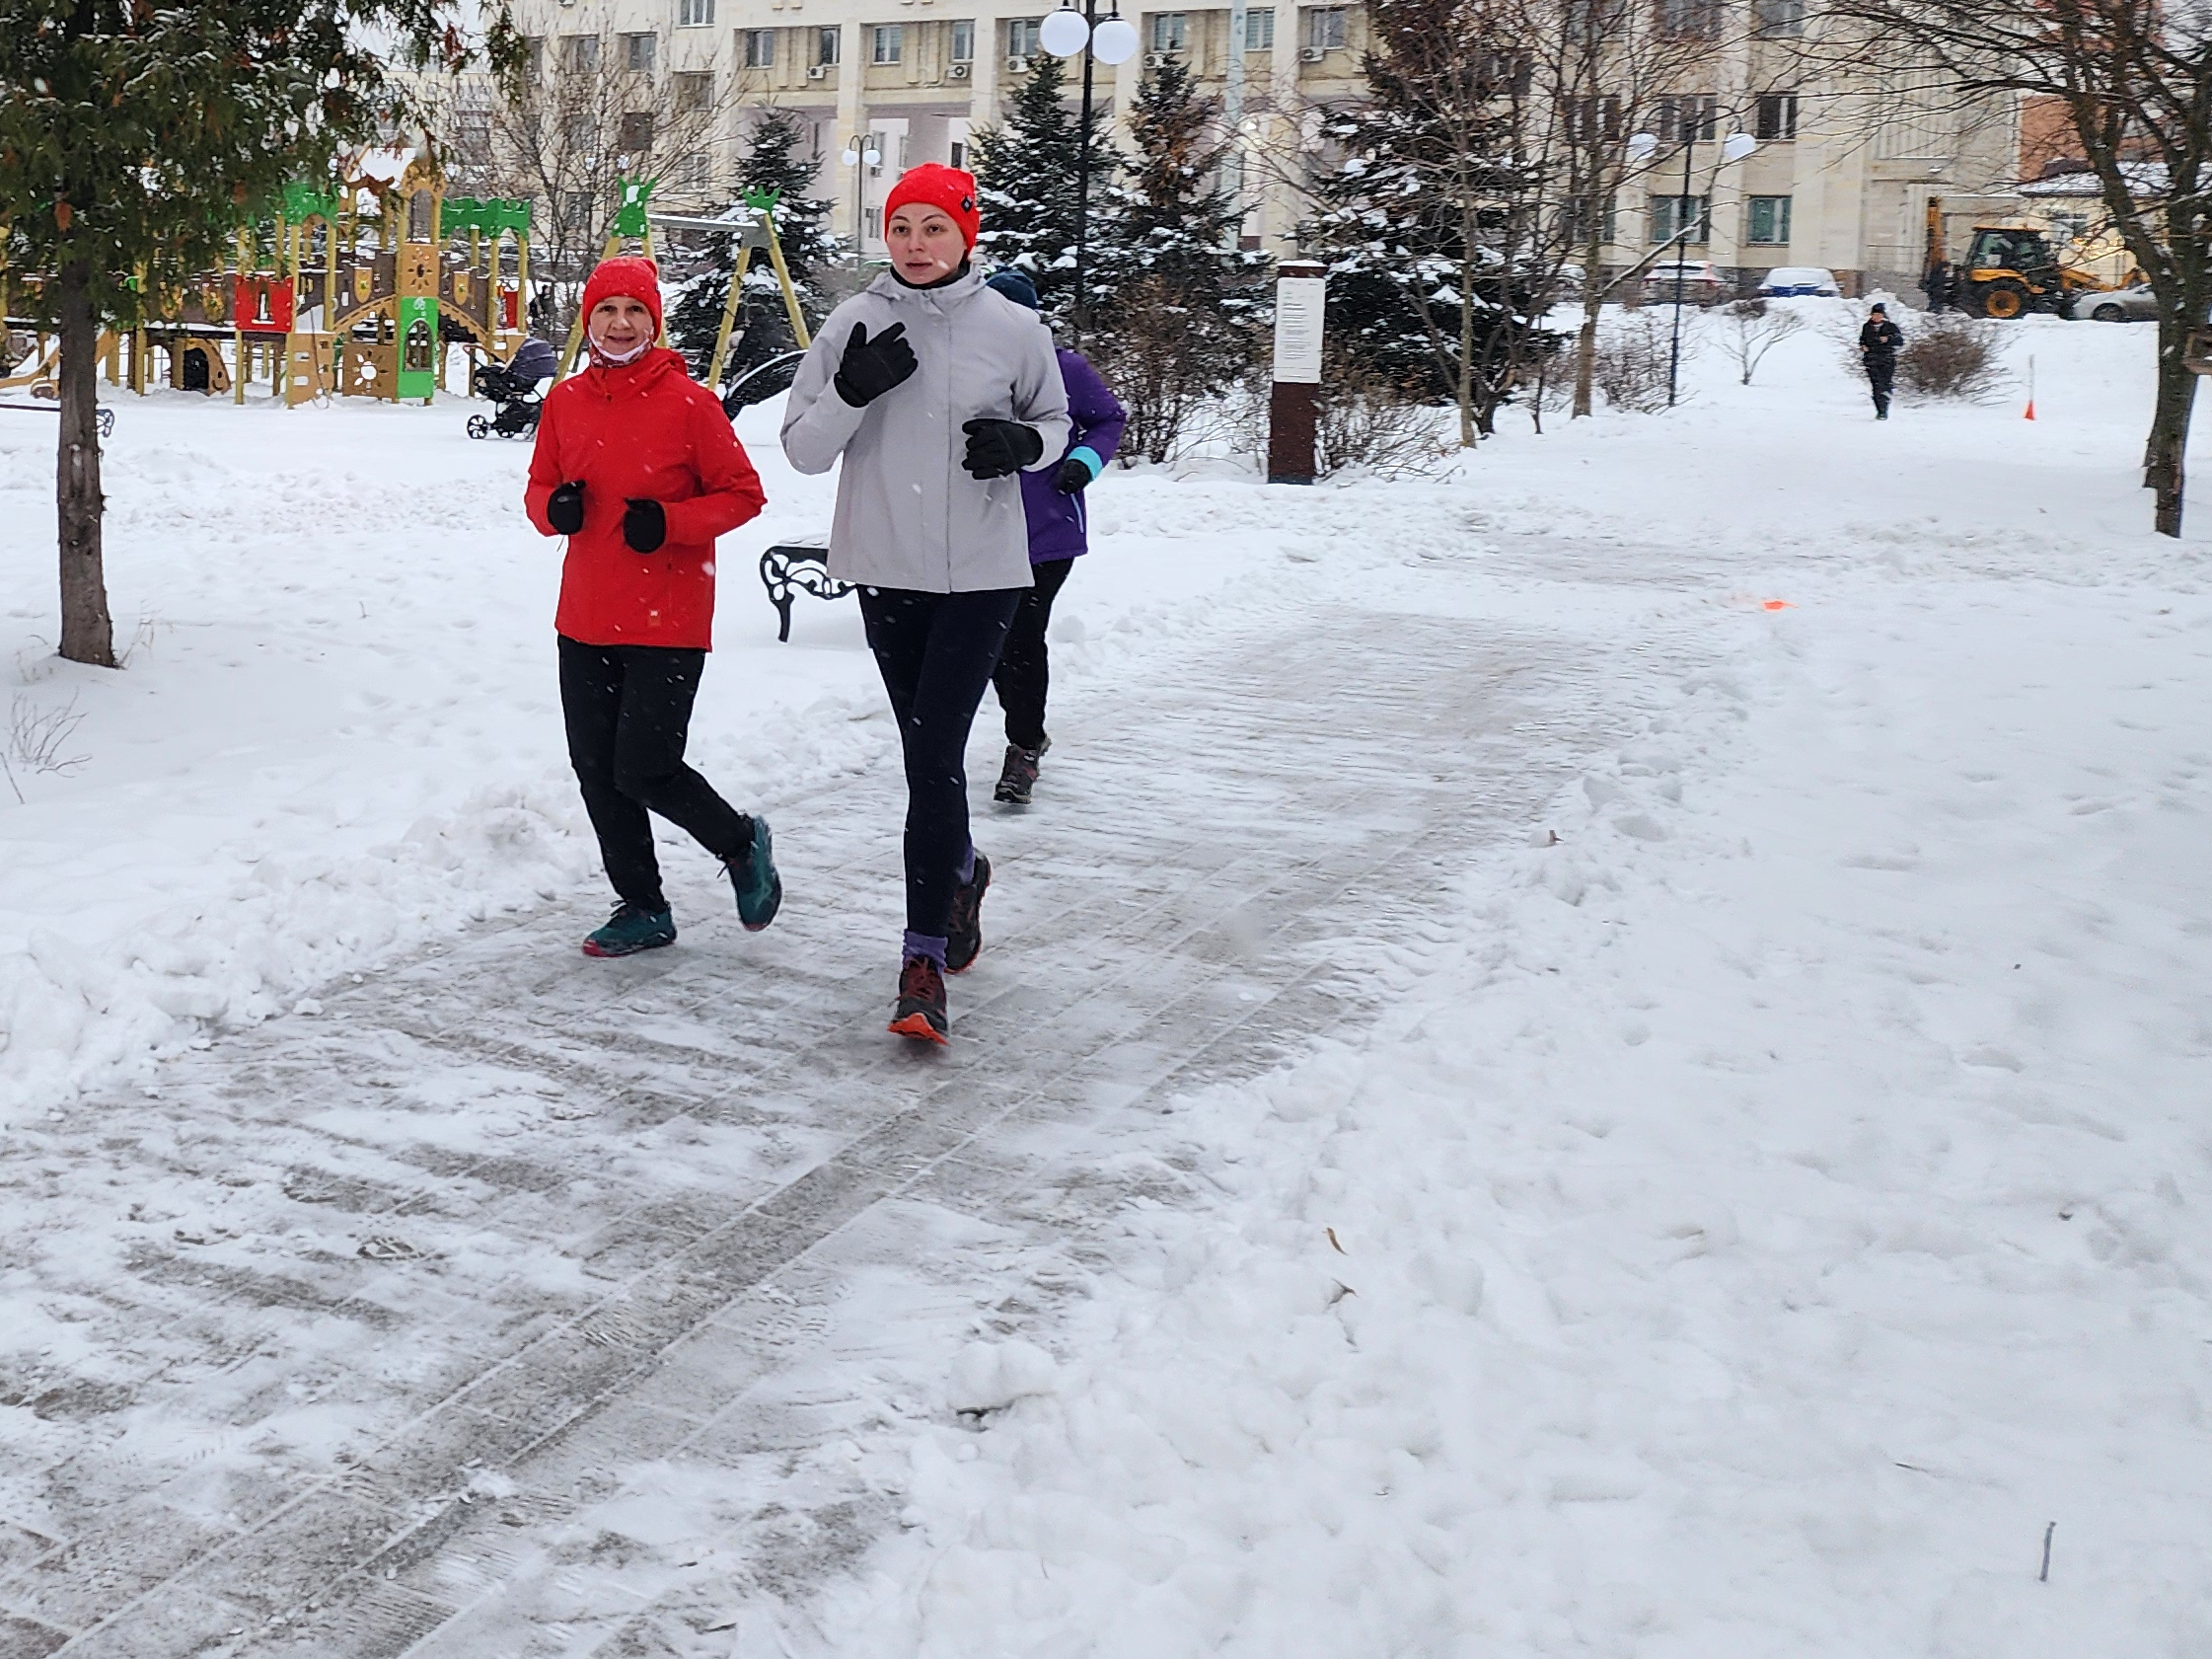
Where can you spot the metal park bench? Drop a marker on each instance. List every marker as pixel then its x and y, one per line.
pixel 793 568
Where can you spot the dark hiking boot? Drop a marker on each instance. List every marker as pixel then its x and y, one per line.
pixel 964 928
pixel 1018 776
pixel 760 890
pixel 920 1014
pixel 631 929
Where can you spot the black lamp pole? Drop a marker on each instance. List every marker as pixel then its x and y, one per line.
pixel 1681 247
pixel 1082 170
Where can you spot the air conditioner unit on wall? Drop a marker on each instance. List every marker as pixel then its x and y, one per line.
pixel 1311 55
pixel 958 72
pixel 1019 65
pixel 1158 61
pixel 817 72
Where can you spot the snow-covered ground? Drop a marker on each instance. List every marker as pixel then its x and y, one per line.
pixel 1757 1193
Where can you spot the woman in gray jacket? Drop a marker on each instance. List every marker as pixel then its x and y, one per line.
pixel 935 392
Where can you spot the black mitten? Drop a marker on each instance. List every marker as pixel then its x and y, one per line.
pixel 645 525
pixel 871 367
pixel 1073 476
pixel 564 509
pixel 996 448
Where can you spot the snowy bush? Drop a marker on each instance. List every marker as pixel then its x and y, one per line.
pixel 1950 356
pixel 1633 356
pixel 1751 329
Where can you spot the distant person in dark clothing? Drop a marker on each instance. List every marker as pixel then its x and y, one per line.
pixel 1878 341
pixel 1941 285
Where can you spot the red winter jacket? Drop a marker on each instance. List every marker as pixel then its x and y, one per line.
pixel 645 429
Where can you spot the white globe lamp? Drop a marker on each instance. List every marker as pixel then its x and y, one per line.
pixel 1113 41
pixel 1063 34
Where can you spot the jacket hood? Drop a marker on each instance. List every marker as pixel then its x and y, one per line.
pixel 964 288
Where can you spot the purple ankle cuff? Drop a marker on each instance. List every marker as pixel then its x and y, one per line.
pixel 968 866
pixel 925 944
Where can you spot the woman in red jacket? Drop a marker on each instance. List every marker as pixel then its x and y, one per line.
pixel 637 467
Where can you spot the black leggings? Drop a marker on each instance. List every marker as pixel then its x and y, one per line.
pixel 1024 674
pixel 1881 372
pixel 937 651
pixel 629 709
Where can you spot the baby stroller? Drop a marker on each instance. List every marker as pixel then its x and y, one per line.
pixel 514 386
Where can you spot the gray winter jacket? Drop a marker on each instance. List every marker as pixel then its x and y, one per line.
pixel 908 514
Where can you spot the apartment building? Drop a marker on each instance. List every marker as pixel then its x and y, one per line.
pixel 1840 178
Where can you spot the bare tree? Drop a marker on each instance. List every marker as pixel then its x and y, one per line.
pixel 576 114
pixel 1606 70
pixel 2134 78
pixel 1751 329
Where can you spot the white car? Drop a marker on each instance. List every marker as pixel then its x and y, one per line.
pixel 1785 281
pixel 2136 304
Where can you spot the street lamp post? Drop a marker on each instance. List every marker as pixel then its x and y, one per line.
pixel 1111 40
pixel 859 150
pixel 1641 146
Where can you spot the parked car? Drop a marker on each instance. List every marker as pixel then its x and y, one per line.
pixel 1785 281
pixel 2134 304
pixel 1701 283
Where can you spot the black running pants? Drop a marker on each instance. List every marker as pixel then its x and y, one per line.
pixel 1024 675
pixel 628 710
pixel 936 652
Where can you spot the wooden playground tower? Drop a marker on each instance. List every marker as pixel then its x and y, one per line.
pixel 350 291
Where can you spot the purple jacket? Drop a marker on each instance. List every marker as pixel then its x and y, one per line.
pixel 1058 524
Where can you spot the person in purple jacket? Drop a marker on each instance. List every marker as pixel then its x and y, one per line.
pixel 1059 527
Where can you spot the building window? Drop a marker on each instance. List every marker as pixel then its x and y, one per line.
pixel 636 132
pixel 959 153
pixel 886 41
pixel 1689 117
pixel 1324 29
pixel 580 132
pixel 1593 120
pixel 579 52
pixel 829 45
pixel 1691 20
pixel 1778 19
pixel 1584 214
pixel 1768 223
pixel 963 40
pixel 695 90
pixel 1777 115
pixel 760 49
pixel 1022 37
pixel 1171 31
pixel 1675 216
pixel 694 14
pixel 1259 28
pixel 534 55
pixel 638 52
pixel 694 171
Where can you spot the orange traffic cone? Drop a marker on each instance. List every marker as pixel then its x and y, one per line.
pixel 2031 415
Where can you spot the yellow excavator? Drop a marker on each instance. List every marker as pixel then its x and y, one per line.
pixel 2009 269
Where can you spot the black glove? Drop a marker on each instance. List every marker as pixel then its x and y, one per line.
pixel 999 447
pixel 871 367
pixel 1073 476
pixel 644 526
pixel 564 509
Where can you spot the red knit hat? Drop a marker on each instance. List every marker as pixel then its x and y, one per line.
pixel 947 189
pixel 632 277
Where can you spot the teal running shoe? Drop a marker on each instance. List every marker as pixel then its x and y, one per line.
pixel 631 929
pixel 760 890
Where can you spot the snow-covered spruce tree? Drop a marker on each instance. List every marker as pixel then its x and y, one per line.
pixel 774 161
pixel 1183 323
pixel 1425 214
pixel 137 139
pixel 1025 175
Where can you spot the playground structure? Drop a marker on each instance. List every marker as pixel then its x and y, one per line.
pixel 358 288
pixel 351 289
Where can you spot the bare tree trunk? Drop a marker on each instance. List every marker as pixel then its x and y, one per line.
pixel 87 634
pixel 1585 347
pixel 2169 429
pixel 1467 435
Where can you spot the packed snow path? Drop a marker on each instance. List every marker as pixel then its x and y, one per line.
pixel 406 1281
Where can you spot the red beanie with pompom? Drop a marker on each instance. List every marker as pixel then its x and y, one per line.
pixel 632 277
pixel 947 189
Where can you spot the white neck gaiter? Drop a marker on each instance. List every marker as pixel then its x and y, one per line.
pixel 631 357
